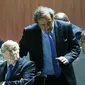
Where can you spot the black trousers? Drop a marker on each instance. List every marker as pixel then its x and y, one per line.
pixel 51 80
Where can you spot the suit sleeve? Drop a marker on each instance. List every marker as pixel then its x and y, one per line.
pixel 23 44
pixel 77 32
pixel 73 46
pixel 27 78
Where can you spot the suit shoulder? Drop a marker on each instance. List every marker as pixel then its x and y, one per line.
pixel 77 28
pixel 26 61
pixel 3 64
pixel 62 23
pixel 32 26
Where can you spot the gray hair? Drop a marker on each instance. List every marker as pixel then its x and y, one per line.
pixel 7 44
pixel 42 11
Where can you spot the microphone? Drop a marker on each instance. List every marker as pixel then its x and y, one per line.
pixel 39 73
pixel 41 78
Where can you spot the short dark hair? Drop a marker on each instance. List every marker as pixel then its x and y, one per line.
pixel 42 11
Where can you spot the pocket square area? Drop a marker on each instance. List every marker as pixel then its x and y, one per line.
pixel 18 74
pixel 65 40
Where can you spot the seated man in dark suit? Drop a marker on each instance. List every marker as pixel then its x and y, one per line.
pixel 76 29
pixel 15 70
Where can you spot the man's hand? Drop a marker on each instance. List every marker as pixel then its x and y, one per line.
pixel 63 60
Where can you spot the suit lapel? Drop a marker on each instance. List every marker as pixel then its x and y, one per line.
pixel 56 31
pixel 17 65
pixel 58 35
pixel 4 69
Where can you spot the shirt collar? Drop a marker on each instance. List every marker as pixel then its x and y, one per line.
pixel 52 32
pixel 9 64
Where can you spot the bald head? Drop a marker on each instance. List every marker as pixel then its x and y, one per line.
pixel 61 16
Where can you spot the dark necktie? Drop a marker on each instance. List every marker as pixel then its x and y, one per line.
pixel 56 65
pixel 9 71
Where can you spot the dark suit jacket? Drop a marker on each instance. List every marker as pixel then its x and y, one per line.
pixel 1 42
pixel 77 32
pixel 66 45
pixel 22 74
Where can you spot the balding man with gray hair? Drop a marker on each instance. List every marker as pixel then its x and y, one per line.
pixel 15 70
pixel 61 16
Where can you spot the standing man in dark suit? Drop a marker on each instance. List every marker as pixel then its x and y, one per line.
pixel 15 70
pixel 36 41
pixel 76 29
